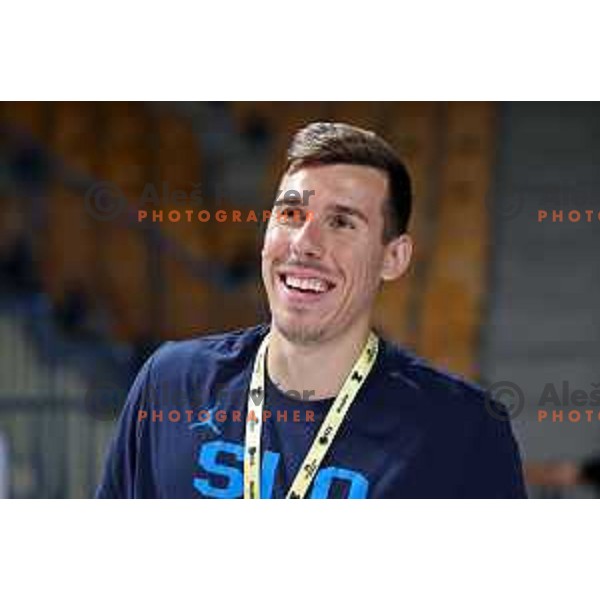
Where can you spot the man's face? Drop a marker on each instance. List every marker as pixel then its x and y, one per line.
pixel 322 270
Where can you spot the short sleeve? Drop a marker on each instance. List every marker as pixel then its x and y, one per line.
pixel 493 468
pixel 120 478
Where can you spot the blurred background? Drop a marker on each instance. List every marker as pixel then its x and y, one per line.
pixel 87 291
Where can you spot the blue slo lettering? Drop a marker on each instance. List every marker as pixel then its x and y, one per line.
pixel 359 485
pixel 209 459
pixel 216 458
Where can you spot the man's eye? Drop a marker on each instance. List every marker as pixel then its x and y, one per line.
pixel 341 222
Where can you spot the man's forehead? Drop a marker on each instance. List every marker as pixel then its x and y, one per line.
pixel 354 183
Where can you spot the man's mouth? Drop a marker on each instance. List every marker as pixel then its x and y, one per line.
pixel 306 284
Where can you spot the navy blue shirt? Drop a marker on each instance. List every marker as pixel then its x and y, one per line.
pixel 412 432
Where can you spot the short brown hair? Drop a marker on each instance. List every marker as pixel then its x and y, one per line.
pixel 324 143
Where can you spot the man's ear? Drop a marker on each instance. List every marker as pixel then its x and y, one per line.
pixel 396 259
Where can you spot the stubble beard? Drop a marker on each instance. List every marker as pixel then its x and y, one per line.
pixel 300 333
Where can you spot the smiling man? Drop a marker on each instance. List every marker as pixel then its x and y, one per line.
pixel 372 421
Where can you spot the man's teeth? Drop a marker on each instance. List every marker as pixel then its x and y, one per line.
pixel 312 284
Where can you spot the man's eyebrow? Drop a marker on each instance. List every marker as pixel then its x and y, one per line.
pixel 349 210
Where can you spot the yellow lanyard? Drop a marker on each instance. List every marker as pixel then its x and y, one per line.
pixel 326 433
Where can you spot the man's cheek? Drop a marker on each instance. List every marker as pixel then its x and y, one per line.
pixel 267 249
pixel 275 246
pixel 363 274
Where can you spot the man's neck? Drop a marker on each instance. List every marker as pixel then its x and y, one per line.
pixel 316 370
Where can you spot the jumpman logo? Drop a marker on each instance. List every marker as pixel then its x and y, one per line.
pixel 208 422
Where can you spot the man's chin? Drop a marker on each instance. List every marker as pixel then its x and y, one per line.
pixel 300 333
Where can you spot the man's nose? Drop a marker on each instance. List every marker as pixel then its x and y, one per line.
pixel 308 240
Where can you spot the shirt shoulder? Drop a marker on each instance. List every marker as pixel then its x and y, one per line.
pixel 432 386
pixel 453 413
pixel 230 351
